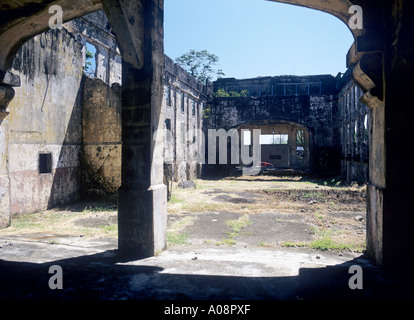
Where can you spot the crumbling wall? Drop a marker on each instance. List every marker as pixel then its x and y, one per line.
pixel 101 106
pixel 309 100
pixel 94 29
pixel 4 173
pixel 101 143
pixel 45 123
pixel 101 146
pixel 354 122
pixel 183 104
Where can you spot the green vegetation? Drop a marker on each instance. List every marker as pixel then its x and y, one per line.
pixel 111 229
pixel 228 241
pixel 235 226
pixel 174 237
pixel 88 57
pixel 324 242
pixel 99 208
pixel 174 199
pixel 221 93
pixel 200 64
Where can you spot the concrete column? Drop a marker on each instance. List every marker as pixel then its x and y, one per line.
pixel 138 25
pixel 6 94
pixel 7 82
pixel 398 209
pixel 377 183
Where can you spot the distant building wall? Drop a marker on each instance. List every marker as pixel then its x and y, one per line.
pixel 183 104
pixel 309 100
pixel 354 122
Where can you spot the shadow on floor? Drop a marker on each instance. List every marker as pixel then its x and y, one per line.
pixel 103 276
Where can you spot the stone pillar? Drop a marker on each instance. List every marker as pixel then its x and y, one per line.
pixel 7 82
pixel 142 197
pixel 385 71
pixel 398 210
pixel 376 180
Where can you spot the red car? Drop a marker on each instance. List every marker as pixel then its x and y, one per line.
pixel 266 166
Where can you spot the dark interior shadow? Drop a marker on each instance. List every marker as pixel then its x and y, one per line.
pixel 102 276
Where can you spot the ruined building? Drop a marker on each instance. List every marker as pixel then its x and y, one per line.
pixel 65 126
pixel 296 116
pixel 309 124
pixel 44 143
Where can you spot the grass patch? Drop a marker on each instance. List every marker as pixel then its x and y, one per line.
pixel 94 209
pixel 202 207
pixel 174 234
pixel 174 199
pixel 264 244
pixel 174 237
pixel 324 242
pixel 111 229
pixel 318 215
pixel 327 243
pixel 226 241
pixel 288 244
pixel 236 226
pixel 23 221
pixel 41 220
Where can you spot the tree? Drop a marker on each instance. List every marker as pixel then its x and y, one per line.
pixel 88 58
pixel 221 93
pixel 200 64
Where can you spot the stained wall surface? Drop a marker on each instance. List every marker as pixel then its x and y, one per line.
pixel 355 124
pixel 45 123
pixel 183 105
pixel 310 101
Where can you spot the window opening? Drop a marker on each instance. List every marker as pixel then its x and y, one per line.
pixel 90 64
pixel 45 163
pixel 274 138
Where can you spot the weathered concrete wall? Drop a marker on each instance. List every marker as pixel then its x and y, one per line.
pixel 4 173
pixel 45 117
pixel 183 104
pixel 354 122
pixel 315 111
pixel 101 144
pixel 101 113
pixel 285 85
pixel 94 28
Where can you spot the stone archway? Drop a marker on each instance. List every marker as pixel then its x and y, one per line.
pixel 366 56
pixel 139 32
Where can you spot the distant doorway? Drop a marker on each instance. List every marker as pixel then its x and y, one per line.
pixel 286 145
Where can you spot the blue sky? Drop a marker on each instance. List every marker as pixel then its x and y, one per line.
pixel 257 37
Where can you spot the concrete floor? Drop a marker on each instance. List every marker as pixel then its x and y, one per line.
pixel 92 270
